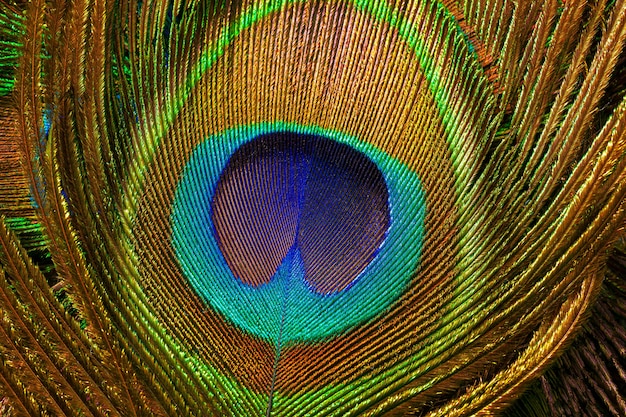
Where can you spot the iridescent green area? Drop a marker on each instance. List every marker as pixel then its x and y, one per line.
pixel 11 30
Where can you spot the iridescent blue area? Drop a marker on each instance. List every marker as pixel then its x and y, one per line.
pixel 286 308
pixel 282 190
pixel 47 122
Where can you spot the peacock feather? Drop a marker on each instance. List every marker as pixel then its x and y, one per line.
pixel 312 207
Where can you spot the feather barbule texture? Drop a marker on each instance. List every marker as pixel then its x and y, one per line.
pixel 312 207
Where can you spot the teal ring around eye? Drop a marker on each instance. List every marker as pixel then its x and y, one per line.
pixel 286 310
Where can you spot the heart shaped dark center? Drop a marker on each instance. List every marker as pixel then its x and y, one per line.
pixel 284 191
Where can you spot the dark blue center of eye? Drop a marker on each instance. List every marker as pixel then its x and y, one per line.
pixel 284 193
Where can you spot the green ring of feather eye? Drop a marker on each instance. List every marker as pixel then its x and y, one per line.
pixel 303 314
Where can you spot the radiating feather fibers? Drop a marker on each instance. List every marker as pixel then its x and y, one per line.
pixel 312 207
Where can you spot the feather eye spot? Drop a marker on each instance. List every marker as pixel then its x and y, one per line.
pixel 260 212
